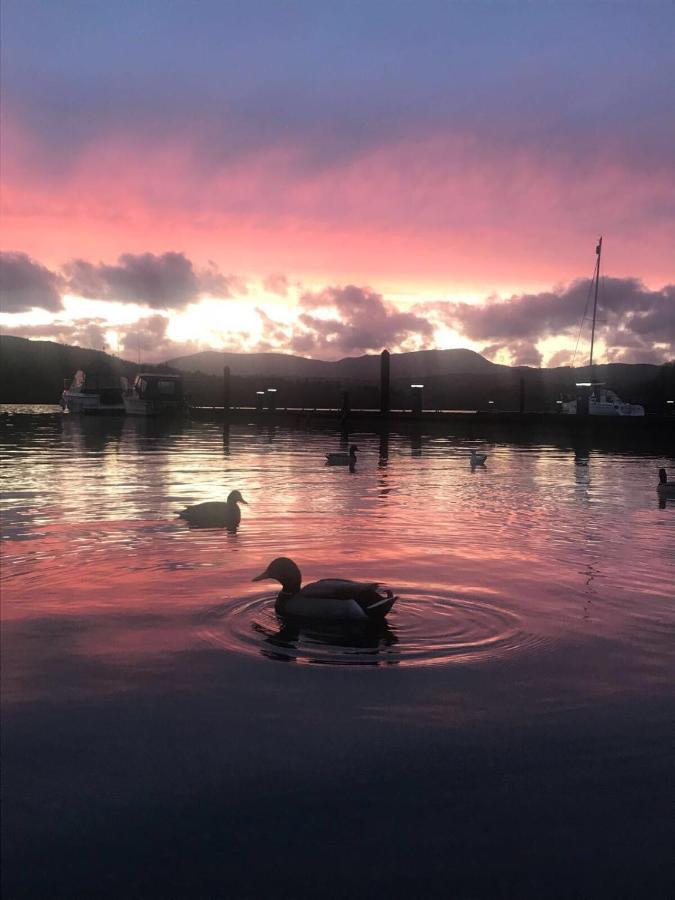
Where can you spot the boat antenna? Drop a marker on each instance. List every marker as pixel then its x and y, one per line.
pixel 598 251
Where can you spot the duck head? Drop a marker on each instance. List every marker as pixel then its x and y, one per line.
pixel 285 571
pixel 663 477
pixel 353 449
pixel 235 497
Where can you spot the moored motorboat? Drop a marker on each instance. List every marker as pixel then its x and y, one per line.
pixel 156 394
pixel 95 394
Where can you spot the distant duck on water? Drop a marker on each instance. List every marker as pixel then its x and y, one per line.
pixel 215 513
pixel 335 599
pixel 342 459
pixel 477 459
pixel 665 488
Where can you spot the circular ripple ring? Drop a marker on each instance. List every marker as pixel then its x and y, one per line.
pixel 422 630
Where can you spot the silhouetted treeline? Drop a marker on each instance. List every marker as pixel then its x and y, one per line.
pixel 34 372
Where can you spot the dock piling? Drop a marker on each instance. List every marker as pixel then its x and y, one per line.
pixel 226 390
pixel 345 408
pixel 385 402
pixel 417 400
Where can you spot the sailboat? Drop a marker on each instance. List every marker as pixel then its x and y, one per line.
pixel 601 401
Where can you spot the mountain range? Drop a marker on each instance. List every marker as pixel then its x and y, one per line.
pixel 35 371
pixel 417 364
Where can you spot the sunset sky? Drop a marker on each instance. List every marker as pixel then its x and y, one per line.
pixel 327 179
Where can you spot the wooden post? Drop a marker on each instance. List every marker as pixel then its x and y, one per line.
pixel 345 404
pixel 417 400
pixel 226 390
pixel 384 383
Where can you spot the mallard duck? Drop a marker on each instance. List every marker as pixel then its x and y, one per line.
pixel 330 598
pixel 215 513
pixel 342 459
pixel 477 459
pixel 665 488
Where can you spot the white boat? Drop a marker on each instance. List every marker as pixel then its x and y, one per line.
pixel 156 394
pixel 603 402
pixel 94 394
pixel 592 396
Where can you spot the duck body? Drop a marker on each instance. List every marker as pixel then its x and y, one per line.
pixel 477 459
pixel 330 599
pixel 215 513
pixel 665 488
pixel 342 459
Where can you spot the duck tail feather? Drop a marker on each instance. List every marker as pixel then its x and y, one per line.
pixel 382 606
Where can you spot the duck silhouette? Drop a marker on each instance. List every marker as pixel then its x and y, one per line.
pixel 335 599
pixel 477 459
pixel 342 459
pixel 215 513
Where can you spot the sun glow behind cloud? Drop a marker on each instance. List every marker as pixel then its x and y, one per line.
pixel 333 322
pixel 231 324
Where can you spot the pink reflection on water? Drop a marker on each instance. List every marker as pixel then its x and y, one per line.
pixel 536 550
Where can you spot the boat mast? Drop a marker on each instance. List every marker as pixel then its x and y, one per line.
pixel 598 251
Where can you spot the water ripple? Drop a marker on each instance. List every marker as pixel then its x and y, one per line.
pixel 423 630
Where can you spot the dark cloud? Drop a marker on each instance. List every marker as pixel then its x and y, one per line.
pixel 358 321
pixel 85 332
pixel 168 281
pixel 215 284
pixel 643 355
pixel 522 353
pixel 561 358
pixel 630 318
pixel 147 336
pixel 91 333
pixel 25 285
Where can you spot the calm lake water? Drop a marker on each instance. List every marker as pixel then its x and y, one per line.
pixel 508 732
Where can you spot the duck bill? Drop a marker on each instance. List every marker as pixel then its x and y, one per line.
pixel 243 501
pixel 262 576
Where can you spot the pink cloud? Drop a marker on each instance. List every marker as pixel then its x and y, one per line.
pixel 439 210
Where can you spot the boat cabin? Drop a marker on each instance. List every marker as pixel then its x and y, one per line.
pixel 154 386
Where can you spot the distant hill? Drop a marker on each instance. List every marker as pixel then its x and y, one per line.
pixel 416 364
pixel 269 365
pixel 34 372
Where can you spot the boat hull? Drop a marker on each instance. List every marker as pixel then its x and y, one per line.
pixel 136 406
pixel 605 409
pixel 78 403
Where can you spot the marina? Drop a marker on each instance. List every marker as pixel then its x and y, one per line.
pixel 337 450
